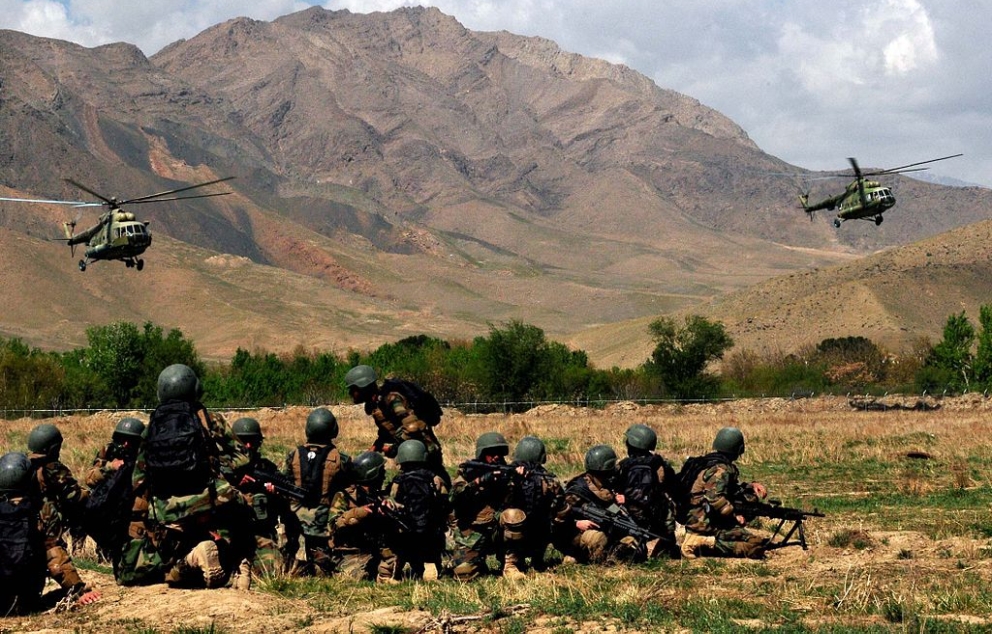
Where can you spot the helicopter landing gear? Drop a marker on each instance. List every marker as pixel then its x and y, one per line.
pixel 140 264
pixel 878 220
pixel 132 263
pixel 836 223
pixel 82 265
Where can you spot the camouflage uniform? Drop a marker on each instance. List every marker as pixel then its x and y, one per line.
pixel 593 545
pixel 362 535
pixel 711 512
pixel 651 505
pixel 534 499
pixel 478 497
pixel 58 486
pixel 53 560
pixel 165 532
pixel 427 547
pixel 313 514
pixel 267 511
pixel 396 422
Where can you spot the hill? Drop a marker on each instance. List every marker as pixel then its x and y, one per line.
pixel 403 174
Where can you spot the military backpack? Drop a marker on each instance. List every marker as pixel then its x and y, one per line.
pixel 422 402
pixel 177 451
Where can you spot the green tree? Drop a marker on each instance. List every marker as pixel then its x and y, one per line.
pixel 950 364
pixel 511 361
pixel 983 355
pixel 683 352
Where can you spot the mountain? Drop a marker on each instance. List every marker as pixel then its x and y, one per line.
pixel 397 173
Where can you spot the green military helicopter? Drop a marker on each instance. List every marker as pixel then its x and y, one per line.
pixel 863 199
pixel 117 235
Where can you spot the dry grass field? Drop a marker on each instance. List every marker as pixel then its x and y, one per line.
pixel 905 544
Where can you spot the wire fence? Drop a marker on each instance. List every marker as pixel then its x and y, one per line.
pixel 868 402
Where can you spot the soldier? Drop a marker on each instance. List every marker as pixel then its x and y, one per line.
pixel 268 507
pixel 396 417
pixel 536 496
pixel 478 496
pixel 318 467
pixel 363 530
pixel 646 478
pixel 189 523
pixel 54 479
pixel 712 525
pixel 424 507
pixel 31 544
pixel 108 507
pixel 582 539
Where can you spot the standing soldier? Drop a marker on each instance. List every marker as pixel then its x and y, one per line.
pixel 713 527
pixel 31 545
pixel 536 496
pixel 478 496
pixel 189 523
pixel 363 532
pixel 268 507
pixel 422 500
pixel 397 417
pixel 316 466
pixel 583 539
pixel 646 478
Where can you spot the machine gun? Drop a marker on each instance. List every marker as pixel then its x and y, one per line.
pixel 282 485
pixel 773 509
pixel 615 519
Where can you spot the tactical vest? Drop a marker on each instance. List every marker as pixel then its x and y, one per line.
pixel 315 467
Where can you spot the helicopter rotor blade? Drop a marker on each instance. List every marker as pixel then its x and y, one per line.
pixel 106 201
pixel 854 164
pixel 76 203
pixel 901 168
pixel 160 200
pixel 149 197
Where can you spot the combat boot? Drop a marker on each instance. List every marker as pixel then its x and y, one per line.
pixel 206 558
pixel 511 571
pixel 692 544
pixel 241 579
pixel 430 571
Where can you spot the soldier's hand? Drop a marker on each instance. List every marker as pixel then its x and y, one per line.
pixel 116 464
pixel 246 480
pixel 88 597
pixel 741 519
pixel 584 525
pixel 759 490
pixel 270 488
pixel 620 498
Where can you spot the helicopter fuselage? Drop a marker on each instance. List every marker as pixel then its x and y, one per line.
pixel 877 199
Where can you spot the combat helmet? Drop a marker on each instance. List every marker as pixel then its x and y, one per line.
pixel 641 437
pixel 248 432
pixel 491 442
pixel 729 440
pixel 530 449
pixel 129 428
pixel 178 382
pixel 15 472
pixel 601 459
pixel 45 439
pixel 322 426
pixel 411 451
pixel 368 467
pixel 360 376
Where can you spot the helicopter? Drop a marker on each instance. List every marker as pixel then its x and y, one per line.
pixel 863 199
pixel 118 234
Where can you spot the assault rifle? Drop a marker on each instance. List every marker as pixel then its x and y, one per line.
pixel 773 509
pixel 616 519
pixel 390 510
pixel 282 485
pixel 510 471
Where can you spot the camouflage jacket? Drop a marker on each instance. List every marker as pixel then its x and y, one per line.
pixel 59 486
pixel 648 499
pixel 268 509
pixel 356 522
pixel 478 493
pixel 101 468
pixel 580 490
pixel 396 422
pixel 537 493
pixel 711 498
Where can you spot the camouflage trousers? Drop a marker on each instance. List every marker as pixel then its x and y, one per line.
pixel 473 544
pixel 316 539
pixel 736 542
pixel 353 563
pixel 596 547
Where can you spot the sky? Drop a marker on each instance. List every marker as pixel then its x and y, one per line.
pixel 889 82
